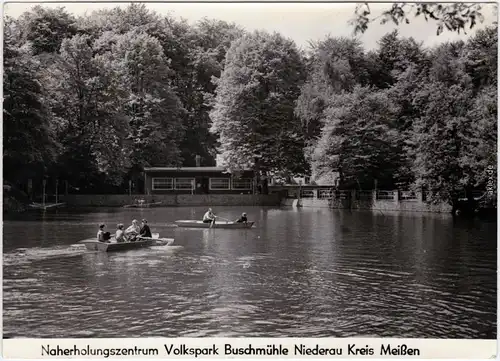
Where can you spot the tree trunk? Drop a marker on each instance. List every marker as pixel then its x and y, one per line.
pixel 257 174
pixel 471 202
pixel 264 183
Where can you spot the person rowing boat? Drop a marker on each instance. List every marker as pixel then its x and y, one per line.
pixel 101 235
pixel 209 217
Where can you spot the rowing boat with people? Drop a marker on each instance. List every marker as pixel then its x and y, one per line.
pixel 93 245
pixel 216 224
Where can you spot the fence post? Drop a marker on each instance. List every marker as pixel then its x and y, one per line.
pixel 420 196
pixel 43 191
pixel 396 195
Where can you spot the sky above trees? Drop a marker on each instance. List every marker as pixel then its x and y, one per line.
pixel 300 22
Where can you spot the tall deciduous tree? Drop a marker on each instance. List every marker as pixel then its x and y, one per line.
pixel 153 110
pixel 440 141
pixel 334 65
pixel 46 28
pixel 254 106
pixel 29 147
pixel 481 158
pixel 77 91
pixel 394 55
pixel 208 43
pixel 359 139
pixel 480 56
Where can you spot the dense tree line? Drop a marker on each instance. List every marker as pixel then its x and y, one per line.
pixel 403 115
pixel 94 99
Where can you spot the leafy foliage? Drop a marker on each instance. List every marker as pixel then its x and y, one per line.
pixel 334 65
pixel 454 17
pixel 151 107
pixel 440 135
pixel 45 29
pixel 29 145
pixel 94 99
pixel 359 139
pixel 254 105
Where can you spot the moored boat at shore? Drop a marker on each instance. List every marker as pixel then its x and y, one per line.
pixel 217 224
pixel 143 205
pixel 113 246
pixel 45 206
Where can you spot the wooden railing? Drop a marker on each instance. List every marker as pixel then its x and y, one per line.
pixel 408 196
pixel 364 195
pixel 386 195
pixel 307 193
pixel 326 193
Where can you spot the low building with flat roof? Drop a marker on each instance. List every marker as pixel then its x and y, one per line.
pixel 196 180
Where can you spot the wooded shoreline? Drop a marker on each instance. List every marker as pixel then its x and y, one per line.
pixel 99 98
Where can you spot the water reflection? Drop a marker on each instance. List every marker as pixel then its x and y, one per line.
pixel 300 272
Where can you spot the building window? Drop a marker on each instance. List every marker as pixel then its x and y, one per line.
pixel 184 183
pixel 219 183
pixel 242 183
pixel 163 183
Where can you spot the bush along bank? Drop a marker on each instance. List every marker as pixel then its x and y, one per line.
pixel 14 200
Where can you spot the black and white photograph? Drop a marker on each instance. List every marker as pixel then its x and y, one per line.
pixel 232 170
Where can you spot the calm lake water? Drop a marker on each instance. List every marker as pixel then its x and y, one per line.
pixel 299 273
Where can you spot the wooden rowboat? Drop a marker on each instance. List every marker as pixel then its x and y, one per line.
pixel 113 246
pixel 217 224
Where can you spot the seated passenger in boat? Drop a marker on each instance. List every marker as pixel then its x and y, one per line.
pixel 145 231
pixel 243 218
pixel 101 235
pixel 133 231
pixel 120 234
pixel 209 216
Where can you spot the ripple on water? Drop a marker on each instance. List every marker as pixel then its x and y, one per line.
pixel 372 281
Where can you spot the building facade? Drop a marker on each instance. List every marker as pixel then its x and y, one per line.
pixel 196 180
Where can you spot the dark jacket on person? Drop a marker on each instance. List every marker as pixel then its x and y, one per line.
pixel 145 231
pixel 242 219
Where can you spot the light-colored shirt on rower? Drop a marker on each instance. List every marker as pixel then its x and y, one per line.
pixel 133 229
pixel 209 216
pixel 120 234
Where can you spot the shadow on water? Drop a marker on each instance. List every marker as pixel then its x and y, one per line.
pixel 298 273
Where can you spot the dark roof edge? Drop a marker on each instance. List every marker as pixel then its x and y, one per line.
pixel 188 169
